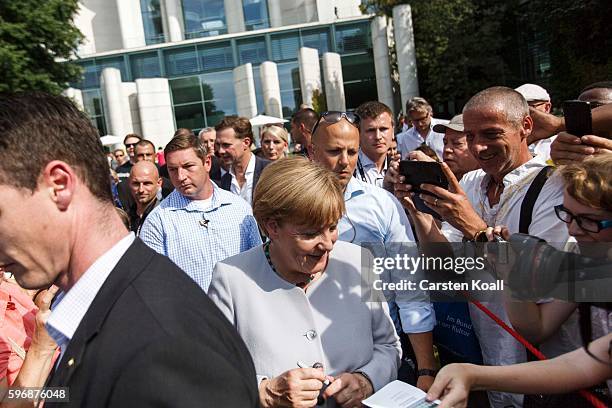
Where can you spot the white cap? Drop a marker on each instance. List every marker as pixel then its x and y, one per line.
pixel 532 92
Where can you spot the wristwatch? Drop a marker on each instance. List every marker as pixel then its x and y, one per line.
pixel 426 372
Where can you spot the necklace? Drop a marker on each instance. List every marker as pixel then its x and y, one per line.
pixel 266 248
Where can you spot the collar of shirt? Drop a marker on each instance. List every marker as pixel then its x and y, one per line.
pixel 353 188
pixel 517 175
pixel 368 163
pixel 248 173
pixel 72 306
pixel 176 201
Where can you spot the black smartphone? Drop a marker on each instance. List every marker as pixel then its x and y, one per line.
pixel 578 118
pixel 421 172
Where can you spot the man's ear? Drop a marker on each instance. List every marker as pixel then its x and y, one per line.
pixel 60 179
pixel 527 127
pixel 247 142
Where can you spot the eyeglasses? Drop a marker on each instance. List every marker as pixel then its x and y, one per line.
pixel 336 116
pixel 128 145
pixel 535 104
pixel 585 223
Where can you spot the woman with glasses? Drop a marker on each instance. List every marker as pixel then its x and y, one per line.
pixel 587 210
pixel 297 301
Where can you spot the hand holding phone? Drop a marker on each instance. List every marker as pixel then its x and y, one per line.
pixel 420 172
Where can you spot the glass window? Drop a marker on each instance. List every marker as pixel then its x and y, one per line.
pixel 255 14
pixel 204 18
pixel 114 62
pixel 189 116
pixel 258 90
pixel 359 80
pixel 89 76
pixel 185 90
pixel 318 39
pixel 353 38
pixel 181 61
pixel 92 102
pixel 252 50
pixel 215 56
pixel 145 65
pixel 152 21
pixel 285 46
pixel 291 93
pixel 218 87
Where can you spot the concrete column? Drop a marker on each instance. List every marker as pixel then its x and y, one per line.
pixel 83 20
pixel 234 16
pixel 244 87
pixel 130 22
pixel 76 96
pixel 406 56
pixel 114 103
pixel 275 13
pixel 382 67
pixel 334 84
pixel 174 20
pixel 155 109
pixel 130 97
pixel 271 89
pixel 310 73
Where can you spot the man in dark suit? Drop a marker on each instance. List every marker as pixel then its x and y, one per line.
pixel 133 330
pixel 234 140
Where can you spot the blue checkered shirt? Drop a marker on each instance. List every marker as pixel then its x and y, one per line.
pixel 175 229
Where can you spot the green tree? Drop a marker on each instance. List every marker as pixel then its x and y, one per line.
pixel 461 45
pixel 36 37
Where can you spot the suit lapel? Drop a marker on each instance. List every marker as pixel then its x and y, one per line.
pixel 131 264
pixel 260 164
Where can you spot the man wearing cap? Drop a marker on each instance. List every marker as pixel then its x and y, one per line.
pixel 539 99
pixel 456 152
pixel 420 113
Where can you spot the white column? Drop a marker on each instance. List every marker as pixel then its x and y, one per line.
pixel 114 105
pixel 380 45
pixel 276 15
pixel 130 23
pixel 76 96
pixel 244 87
pixel 406 56
pixel 83 20
pixel 234 16
pixel 334 84
pixel 174 20
pixel 155 109
pixel 310 73
pixel 268 73
pixel 130 95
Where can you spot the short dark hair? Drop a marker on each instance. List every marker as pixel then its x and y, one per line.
pixel 182 141
pixel 372 109
pixel 36 128
pixel 183 131
pixel 594 85
pixel 306 116
pixel 131 135
pixel 145 142
pixel 241 125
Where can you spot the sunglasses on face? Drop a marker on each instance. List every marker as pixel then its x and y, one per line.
pixel 585 223
pixel 128 145
pixel 336 116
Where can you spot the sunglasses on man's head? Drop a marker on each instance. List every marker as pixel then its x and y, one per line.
pixel 336 116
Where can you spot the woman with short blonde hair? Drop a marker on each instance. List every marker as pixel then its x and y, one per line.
pixel 296 301
pixel 274 142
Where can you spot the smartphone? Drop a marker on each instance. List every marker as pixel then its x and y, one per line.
pixel 578 118
pixel 421 172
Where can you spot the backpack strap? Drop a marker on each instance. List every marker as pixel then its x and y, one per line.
pixel 530 198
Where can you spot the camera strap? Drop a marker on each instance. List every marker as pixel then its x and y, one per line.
pixel 531 197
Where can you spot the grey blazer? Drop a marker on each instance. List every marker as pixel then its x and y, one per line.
pixel 329 323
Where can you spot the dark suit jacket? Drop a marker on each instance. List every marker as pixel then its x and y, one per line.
pixel 215 169
pixel 260 164
pixel 152 337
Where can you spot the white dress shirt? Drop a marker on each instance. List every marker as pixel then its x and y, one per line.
pixel 411 139
pixel 367 171
pixel 246 191
pixel 71 306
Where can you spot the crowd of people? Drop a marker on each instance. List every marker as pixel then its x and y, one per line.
pixel 213 273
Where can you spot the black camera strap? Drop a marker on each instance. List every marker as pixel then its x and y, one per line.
pixel 531 197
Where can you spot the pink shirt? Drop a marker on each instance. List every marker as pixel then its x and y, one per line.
pixel 17 323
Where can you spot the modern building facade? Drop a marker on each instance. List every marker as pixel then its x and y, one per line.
pixel 152 66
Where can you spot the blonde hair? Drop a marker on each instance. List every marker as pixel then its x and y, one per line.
pixel 296 189
pixel 276 131
pixel 589 182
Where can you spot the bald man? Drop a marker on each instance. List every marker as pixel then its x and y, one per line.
pixel 374 217
pixel 144 183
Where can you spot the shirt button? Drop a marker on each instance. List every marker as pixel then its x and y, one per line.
pixel 311 335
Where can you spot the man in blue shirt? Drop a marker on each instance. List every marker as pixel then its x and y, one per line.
pixel 373 217
pixel 199 223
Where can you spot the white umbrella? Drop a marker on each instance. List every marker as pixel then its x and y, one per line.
pixel 110 140
pixel 261 120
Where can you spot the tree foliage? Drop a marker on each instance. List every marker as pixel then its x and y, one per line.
pixel 35 37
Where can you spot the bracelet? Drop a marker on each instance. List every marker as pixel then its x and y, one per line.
pixel 478 236
pixel 426 372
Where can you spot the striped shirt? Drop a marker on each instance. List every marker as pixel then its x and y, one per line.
pixel 195 234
